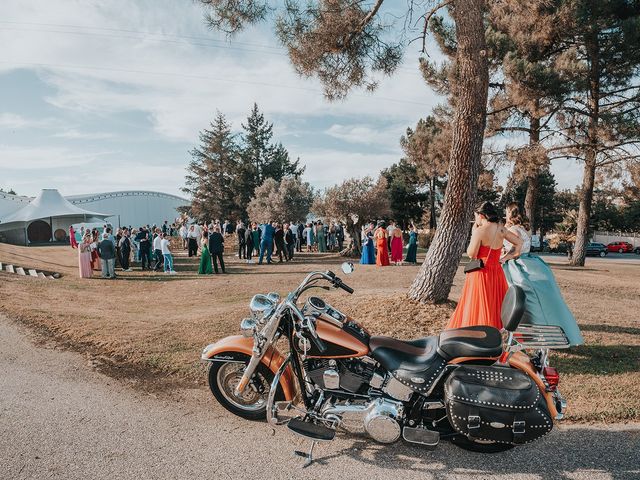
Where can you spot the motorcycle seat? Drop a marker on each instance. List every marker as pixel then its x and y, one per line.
pixel 410 355
pixel 478 341
pixel 415 363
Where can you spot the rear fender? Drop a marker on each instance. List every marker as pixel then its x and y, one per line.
pixel 522 362
pixel 224 350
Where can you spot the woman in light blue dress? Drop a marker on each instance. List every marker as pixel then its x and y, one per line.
pixel 544 302
pixel 368 250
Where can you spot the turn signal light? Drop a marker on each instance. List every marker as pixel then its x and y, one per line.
pixel 552 376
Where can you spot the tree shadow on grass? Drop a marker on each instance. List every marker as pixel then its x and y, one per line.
pixel 599 359
pixel 610 329
pixel 563 454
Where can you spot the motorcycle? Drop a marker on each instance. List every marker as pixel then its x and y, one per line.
pixel 473 386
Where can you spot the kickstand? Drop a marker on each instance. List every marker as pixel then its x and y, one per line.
pixel 308 456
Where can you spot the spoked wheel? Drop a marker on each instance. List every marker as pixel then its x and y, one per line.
pixel 224 377
pixel 479 446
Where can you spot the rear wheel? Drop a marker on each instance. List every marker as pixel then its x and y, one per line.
pixel 252 403
pixel 603 253
pixel 621 250
pixel 480 446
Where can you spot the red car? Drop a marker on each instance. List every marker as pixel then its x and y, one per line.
pixel 620 247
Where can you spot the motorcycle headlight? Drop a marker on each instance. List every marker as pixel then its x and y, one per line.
pixel 260 306
pixel 248 327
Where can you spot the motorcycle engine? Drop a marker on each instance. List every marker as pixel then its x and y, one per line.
pixel 352 375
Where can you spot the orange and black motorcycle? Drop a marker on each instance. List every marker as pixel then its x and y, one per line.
pixel 473 386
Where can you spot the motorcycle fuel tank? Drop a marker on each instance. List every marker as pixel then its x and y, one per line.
pixel 348 340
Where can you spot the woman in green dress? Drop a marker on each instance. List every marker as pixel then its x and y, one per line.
pixel 322 240
pixel 205 259
pixel 412 248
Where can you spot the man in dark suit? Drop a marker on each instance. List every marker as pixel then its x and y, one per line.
pixel 242 241
pixel 216 248
pixel 278 238
pixel 289 240
pixel 340 236
pixel 299 237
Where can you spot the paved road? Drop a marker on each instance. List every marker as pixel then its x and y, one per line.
pixel 625 258
pixel 61 419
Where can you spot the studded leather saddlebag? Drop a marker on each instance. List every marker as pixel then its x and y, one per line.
pixel 498 404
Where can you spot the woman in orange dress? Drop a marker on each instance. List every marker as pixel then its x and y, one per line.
pixel 483 291
pixel 382 251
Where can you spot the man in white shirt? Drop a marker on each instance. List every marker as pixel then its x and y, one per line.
pixel 192 237
pixel 157 250
pixel 166 253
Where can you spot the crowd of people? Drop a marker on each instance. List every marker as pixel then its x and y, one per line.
pixel 101 249
pixel 383 245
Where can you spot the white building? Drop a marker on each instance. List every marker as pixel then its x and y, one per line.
pixel 47 217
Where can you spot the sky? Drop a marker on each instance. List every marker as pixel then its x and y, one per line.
pixel 98 96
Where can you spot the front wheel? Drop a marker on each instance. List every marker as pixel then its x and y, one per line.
pixel 603 254
pixel 252 403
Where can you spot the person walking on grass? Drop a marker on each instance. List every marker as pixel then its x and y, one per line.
pixel 248 243
pixel 84 256
pixel 289 240
pixel 165 246
pixel 157 250
pixel 216 248
pixel 193 240
pixel 107 253
pixel 278 238
pixel 205 257
pixel 145 248
pixel 242 241
pixel 266 241
pixel 125 250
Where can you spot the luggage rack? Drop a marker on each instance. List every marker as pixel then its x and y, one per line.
pixel 537 337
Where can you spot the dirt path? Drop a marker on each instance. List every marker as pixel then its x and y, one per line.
pixel 59 418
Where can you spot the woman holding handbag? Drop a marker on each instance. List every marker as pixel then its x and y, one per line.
pixel 485 284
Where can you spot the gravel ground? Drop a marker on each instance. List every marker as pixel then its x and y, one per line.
pixel 59 418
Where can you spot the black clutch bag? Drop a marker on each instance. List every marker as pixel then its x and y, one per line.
pixel 474 265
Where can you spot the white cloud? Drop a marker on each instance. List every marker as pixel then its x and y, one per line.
pixel 74 134
pixel 24 158
pixel 14 121
pixel 388 136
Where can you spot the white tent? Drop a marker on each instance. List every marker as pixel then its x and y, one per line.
pixel 47 206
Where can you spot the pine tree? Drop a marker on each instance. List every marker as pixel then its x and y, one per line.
pixel 526 42
pixel 261 159
pixel 212 173
pixel 405 189
pixel 602 122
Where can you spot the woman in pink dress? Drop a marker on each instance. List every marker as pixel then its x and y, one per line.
pixel 396 246
pixel 84 257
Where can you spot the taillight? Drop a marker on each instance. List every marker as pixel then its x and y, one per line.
pixel 552 376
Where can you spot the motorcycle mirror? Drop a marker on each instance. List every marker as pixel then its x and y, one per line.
pixel 347 267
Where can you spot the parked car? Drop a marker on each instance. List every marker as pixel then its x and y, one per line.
pixel 544 248
pixel 620 247
pixel 637 251
pixel 599 249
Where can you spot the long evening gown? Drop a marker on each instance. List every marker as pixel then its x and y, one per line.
pixel 368 256
pixel 84 260
pixel 382 257
pixel 396 248
pixel 544 304
pixel 205 261
pixel 412 248
pixel 482 294
pixel 322 240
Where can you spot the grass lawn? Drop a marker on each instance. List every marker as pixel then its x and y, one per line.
pixel 150 328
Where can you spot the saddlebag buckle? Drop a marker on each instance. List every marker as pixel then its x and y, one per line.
pixel 518 431
pixel 473 422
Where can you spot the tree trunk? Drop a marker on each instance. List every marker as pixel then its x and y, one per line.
pixel 433 282
pixel 533 173
pixel 588 177
pixel 432 199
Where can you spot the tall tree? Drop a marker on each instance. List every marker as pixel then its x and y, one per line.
pixel 345 44
pixel 287 200
pixel 354 202
pixel 602 123
pixel 211 173
pixel 406 193
pixel 526 42
pixel 261 158
pixel 428 146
